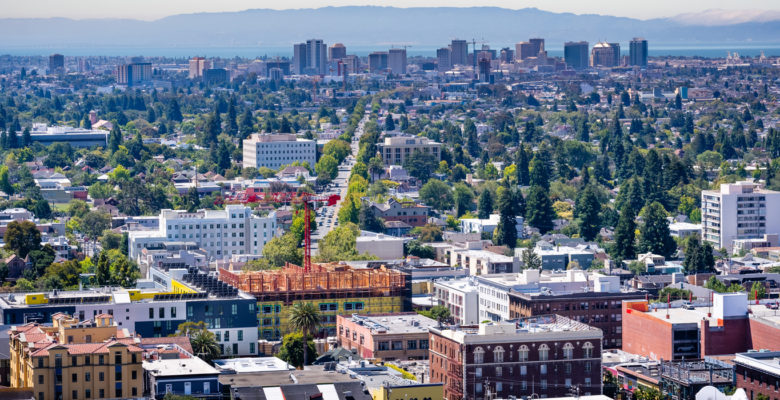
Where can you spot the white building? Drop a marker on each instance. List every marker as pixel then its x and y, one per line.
pixel 461 297
pixel 482 262
pixel 741 210
pixel 384 247
pixel 488 225
pixel 277 150
pixel 221 233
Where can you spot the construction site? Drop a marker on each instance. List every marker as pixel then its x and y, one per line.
pixel 335 289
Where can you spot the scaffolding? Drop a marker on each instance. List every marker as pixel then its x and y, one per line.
pixel 323 281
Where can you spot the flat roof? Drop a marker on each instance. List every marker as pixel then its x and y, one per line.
pixel 252 364
pixel 392 324
pixel 766 361
pixel 179 366
pixel 313 374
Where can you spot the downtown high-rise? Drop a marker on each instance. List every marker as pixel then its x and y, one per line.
pixel 638 52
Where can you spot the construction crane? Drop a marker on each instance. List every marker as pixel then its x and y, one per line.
pixel 251 196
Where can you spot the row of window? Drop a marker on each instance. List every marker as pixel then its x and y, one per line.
pixel 210 226
pixel 499 387
pixel 523 369
pixel 88 377
pixel 88 394
pixel 399 345
pixel 74 360
pixel 239 336
pixel 523 353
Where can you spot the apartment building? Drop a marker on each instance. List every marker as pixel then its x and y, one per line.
pixel 741 210
pixel 758 372
pixel 277 150
pixel 482 262
pixel 75 359
pixel 408 212
pixel 385 337
pixel 545 356
pixel 461 297
pixel 395 150
pixel 221 233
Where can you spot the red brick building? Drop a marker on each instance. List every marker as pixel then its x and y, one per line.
pixel 544 355
pixel 385 337
pixel 730 325
pixel 758 373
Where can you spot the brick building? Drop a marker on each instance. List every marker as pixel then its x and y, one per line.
pixel 386 337
pixel 730 325
pixel 602 310
pixel 758 373
pixel 406 212
pixel 543 355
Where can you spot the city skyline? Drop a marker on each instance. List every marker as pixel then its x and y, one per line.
pixel 719 10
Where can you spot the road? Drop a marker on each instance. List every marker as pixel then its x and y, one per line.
pixel 327 216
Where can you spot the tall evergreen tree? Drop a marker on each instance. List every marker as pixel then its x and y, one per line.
pixel 587 211
pixel 540 174
pixel 114 138
pixel 539 211
pixel 472 141
pixel 522 165
pixel 625 235
pixel 654 231
pixel 485 206
pixel 506 231
pixel 653 189
pixel 26 138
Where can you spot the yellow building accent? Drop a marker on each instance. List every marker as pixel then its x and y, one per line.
pixel 36 298
pixel 179 287
pixel 420 392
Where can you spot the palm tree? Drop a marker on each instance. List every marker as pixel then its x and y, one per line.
pixel 204 343
pixel 304 317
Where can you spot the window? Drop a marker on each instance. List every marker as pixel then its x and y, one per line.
pixel 587 382
pixel 568 382
pixel 478 372
pixel 423 344
pixel 398 345
pixel 58 361
pixel 74 377
pixel 499 386
pixel 227 336
pixel 173 312
pixel 87 377
pixel 568 351
pixel 162 312
pixel 118 392
pixel 251 348
pixel 240 336
pixel 102 394
pixel 88 339
pixel 543 369
pixel 75 395
pixel 40 379
pixel 498 354
pixel 478 388
pixel 134 374
pixel 134 357
pixel 383 345
pixel 568 368
pixel 587 366
pixel 88 394
pixel 410 344
pixel 587 350
pixel 543 384
pixel 479 355
pixel 499 371
pixel 151 313
pixel 117 358
pixel 234 309
pixel 544 352
pixel 40 362
pixel 522 353
pixel 135 392
pixel 74 361
pixel 101 360
pixel 523 370
pixel 118 375
pixel 101 378
pixel 235 348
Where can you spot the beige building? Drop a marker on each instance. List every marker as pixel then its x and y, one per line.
pixel 277 150
pixel 197 66
pixel 395 150
pixel 76 359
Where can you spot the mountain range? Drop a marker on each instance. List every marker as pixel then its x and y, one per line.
pixel 382 27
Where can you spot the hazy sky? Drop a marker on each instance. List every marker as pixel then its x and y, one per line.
pixel 153 9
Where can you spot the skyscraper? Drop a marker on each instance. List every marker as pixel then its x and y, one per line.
pixel 525 50
pixel 56 63
pixel 377 62
pixel 507 55
pixel 396 61
pixel 310 58
pixel 459 52
pixel 605 55
pixel 443 57
pixel 337 52
pixel 133 73
pixel 197 66
pixel 576 54
pixel 638 52
pixel 484 67
pixel 538 44
pixel 300 58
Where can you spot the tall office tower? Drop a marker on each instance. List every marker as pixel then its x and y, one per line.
pixel 337 52
pixel 638 52
pixel 299 58
pixel 444 59
pixel 197 66
pixel 317 57
pixel 352 64
pixel 525 50
pixel 576 54
pixel 605 55
pixel 133 73
pixel 538 44
pixel 507 55
pixel 396 61
pixel 484 67
pixel 739 211
pixel 377 62
pixel 56 63
pixel 459 52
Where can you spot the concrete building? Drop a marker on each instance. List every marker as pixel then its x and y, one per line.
pixel 56 63
pixel 742 246
pixel 544 356
pixel 76 137
pixel 377 62
pixel 335 289
pixel 182 377
pixel 741 210
pixel 76 359
pixel 396 61
pixel 443 59
pixel 538 44
pixel 395 150
pixel 459 52
pixel 638 52
pixel 684 229
pixel 385 337
pixel 483 262
pixel 337 52
pixel 221 233
pixel 384 247
pixel 558 258
pixel 576 54
pixel 758 372
pixel 525 50
pixel 605 55
pixel 197 66
pixel 726 327
pixel 461 297
pixel 310 58
pixel 277 150
pixel 133 73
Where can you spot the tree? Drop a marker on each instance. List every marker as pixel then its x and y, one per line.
pixel 485 205
pixel 757 289
pixel 340 245
pixel 427 233
pixel 506 231
pixel 94 223
pixel 389 123
pixel 369 221
pixel 624 248
pixel 420 165
pixel 522 166
pixel 698 256
pixel 292 349
pixel 304 317
pixel 415 248
pixel 437 194
pixel 114 138
pixel 204 345
pixel 464 199
pixel 540 175
pixel 714 284
pixel 5 182
pixel 100 190
pixel 654 231
pixel 281 250
pixel 531 260
pixel 327 167
pixel 539 210
pixel 111 240
pixel 587 210
pixel 22 237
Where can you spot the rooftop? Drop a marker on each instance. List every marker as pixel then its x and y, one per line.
pixel 252 364
pixel 178 367
pixel 767 361
pixel 528 329
pixel 394 323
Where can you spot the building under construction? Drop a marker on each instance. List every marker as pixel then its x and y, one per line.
pixel 334 289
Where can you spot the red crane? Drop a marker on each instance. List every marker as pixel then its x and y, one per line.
pixel 252 196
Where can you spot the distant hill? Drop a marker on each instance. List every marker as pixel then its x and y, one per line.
pixel 374 26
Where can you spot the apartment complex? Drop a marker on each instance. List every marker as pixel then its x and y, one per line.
pixel 133 73
pixel 545 356
pixel 277 150
pixel 741 210
pixel 396 61
pixel 443 59
pixel 395 150
pixel 334 289
pixel 197 66
pixel 459 51
pixel 638 52
pixel 385 337
pixel 75 359
pixel 461 297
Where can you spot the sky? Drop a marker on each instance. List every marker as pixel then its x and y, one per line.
pixel 154 9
